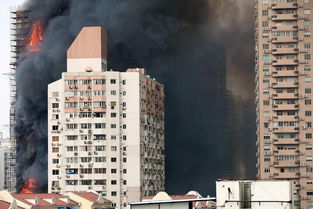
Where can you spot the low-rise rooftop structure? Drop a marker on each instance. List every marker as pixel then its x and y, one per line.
pixel 90 200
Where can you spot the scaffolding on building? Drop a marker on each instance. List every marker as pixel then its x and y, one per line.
pixel 18 31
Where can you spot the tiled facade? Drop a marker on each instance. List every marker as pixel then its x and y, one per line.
pixel 284 98
pixel 106 128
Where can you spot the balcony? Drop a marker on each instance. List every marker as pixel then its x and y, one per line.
pixel 284 17
pixel 284 5
pixel 277 107
pixel 285 51
pixel 285 27
pixel 286 141
pixel 283 39
pixel 285 73
pixel 285 62
pixel 279 164
pixel 288 129
pixel 285 84
pixel 285 96
pixel 286 152
pixel 287 117
pixel 286 175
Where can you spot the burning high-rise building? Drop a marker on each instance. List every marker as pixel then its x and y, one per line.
pixel 105 128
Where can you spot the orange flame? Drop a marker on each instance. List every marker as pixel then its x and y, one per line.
pixel 36 36
pixel 29 186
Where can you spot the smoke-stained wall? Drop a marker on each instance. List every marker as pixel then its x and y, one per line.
pixel 188 45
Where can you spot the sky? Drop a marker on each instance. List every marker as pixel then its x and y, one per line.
pixel 4 63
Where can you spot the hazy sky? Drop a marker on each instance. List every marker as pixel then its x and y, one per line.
pixel 5 60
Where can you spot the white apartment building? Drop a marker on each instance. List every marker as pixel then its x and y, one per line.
pixel 5 163
pixel 106 128
pixel 268 194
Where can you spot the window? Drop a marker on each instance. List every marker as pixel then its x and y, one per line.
pixel 113 159
pixel 307 68
pixel 307 45
pixel 307 56
pixel 100 170
pixel 266 58
pixel 266 113
pixel 71 126
pixel 307 90
pixel 113 92
pixel 100 182
pixel 307 102
pixel 308 147
pixel 55 128
pixel 266 125
pixel 85 125
pixel 266 137
pixel 55 116
pixel 124 171
pixel 98 81
pixel 113 182
pixel 124 182
pixel 100 137
pixel 124 115
pixel 55 161
pixel 113 193
pixel 266 68
pixel 265 46
pixel 55 149
pixel 267 148
pixel 309 170
pixel 113 148
pixel 85 137
pixel 308 113
pixel 113 170
pixel 267 170
pixel 265 1
pixel 308 158
pixel 124 82
pixel 85 182
pixel 264 12
pixel 71 182
pixel 55 138
pixel 307 79
pixel 308 135
pixel 100 159
pixel 112 81
pixel 113 125
pixel 55 172
pixel 124 93
pixel 265 24
pixel 306 11
pixel 124 160
pixel 72 148
pixel 266 81
pixel 86 170
pixel 113 115
pixel 124 126
pixel 308 124
pixel 113 137
pixel 99 104
pixel 99 125
pixel 267 159
pixel 99 114
pixel 307 23
pixel 85 159
pixel 307 34
pixel 310 192
pixel 55 105
pixel 99 148
pixel 307 1
pixel 124 137
pixel 71 137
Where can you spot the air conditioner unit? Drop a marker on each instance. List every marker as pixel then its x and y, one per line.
pixel 89 153
pixel 71 87
pixel 68 165
pixel 57 99
pixel 59 177
pixel 58 166
pixel 67 119
pixel 81 165
pixel 81 176
pixel 81 98
pixel 67 98
pixel 59 155
pixel 90 165
pixel 89 98
pixel 68 176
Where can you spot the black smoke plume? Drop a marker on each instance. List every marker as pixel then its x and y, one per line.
pixel 201 50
